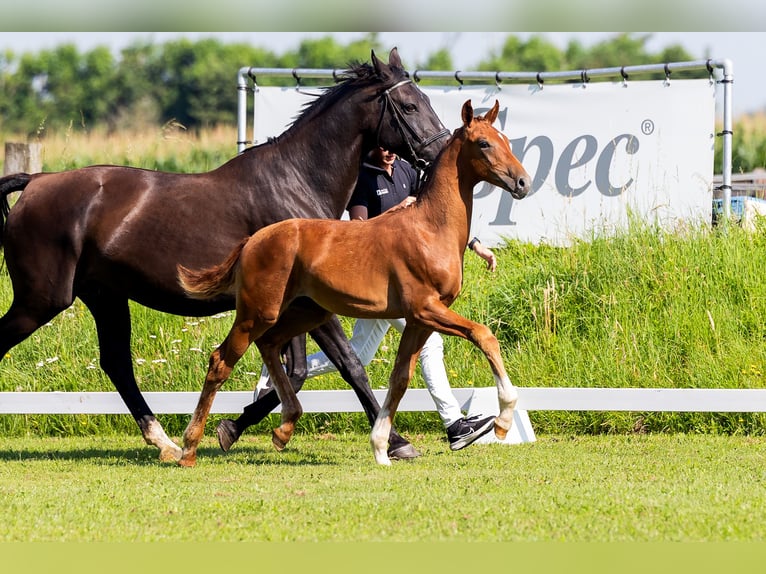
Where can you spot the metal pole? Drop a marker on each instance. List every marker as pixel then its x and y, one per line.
pixel 242 109
pixel 727 133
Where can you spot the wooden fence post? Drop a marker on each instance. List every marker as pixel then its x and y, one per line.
pixel 26 157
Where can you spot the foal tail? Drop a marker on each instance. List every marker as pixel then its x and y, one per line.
pixel 9 184
pixel 207 283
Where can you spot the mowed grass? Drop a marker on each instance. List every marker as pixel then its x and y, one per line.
pixel 326 487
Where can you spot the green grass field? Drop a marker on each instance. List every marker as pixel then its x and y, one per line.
pixel 327 488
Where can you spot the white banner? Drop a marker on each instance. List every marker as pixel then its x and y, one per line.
pixel 597 153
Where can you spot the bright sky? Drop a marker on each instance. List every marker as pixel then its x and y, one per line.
pixel 744 49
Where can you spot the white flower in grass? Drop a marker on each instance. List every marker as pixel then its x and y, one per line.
pixel 47 361
pixel 196 349
pixel 140 361
pixel 155 361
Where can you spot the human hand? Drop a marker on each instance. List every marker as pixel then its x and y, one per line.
pixel 486 254
pixel 406 202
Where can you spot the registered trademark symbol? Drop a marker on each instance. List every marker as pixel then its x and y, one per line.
pixel 647 126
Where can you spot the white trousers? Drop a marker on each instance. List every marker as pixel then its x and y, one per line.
pixel 365 340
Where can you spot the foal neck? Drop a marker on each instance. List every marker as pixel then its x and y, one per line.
pixel 447 197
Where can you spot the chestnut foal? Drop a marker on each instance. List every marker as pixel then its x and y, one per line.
pixel 404 263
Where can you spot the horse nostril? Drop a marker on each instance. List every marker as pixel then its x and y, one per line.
pixel 522 183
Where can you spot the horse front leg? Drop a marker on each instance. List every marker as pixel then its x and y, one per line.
pixel 291 407
pixel 112 318
pixel 442 319
pixel 412 341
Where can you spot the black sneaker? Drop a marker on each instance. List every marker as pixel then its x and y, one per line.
pixel 463 432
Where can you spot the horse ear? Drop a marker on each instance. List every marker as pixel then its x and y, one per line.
pixel 381 70
pixel 393 58
pixel 467 113
pixel 491 115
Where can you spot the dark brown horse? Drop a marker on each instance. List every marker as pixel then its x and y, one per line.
pixel 363 269
pixel 109 234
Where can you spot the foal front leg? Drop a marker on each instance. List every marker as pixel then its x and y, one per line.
pixel 411 343
pixel 446 321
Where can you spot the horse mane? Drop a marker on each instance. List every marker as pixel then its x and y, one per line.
pixel 358 75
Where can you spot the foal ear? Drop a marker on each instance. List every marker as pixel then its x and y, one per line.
pixel 467 113
pixel 491 115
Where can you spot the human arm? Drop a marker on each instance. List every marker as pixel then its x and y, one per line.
pixel 483 252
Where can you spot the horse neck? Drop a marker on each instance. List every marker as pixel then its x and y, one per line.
pixel 317 159
pixel 447 198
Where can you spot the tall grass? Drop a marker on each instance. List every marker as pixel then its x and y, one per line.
pixel 644 308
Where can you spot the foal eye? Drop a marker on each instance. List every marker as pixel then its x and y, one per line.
pixel 484 144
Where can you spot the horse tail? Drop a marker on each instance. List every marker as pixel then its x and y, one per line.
pixel 208 283
pixel 9 184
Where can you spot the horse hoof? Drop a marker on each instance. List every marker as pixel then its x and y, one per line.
pixel 279 442
pixel 227 434
pixel 404 452
pixel 500 432
pixel 171 454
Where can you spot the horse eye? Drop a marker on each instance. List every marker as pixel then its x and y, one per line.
pixel 484 144
pixel 410 108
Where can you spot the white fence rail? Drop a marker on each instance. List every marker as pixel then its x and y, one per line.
pixel 530 399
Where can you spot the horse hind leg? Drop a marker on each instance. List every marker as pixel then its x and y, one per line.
pixel 18 323
pixel 221 363
pixel 112 317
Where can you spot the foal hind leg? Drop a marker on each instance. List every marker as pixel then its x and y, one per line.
pixel 221 363
pixel 112 317
pixel 291 407
pixel 229 431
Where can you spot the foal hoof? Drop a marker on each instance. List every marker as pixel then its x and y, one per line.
pixel 187 461
pixel 279 439
pixel 500 432
pixel 403 452
pixel 227 434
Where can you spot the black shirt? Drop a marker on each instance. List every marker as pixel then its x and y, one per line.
pixel 379 192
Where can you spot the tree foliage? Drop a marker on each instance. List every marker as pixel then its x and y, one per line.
pixel 193 82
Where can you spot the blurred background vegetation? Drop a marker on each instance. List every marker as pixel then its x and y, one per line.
pixel 191 84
